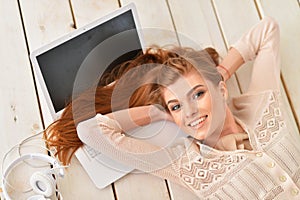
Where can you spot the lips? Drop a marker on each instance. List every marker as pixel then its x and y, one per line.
pixel 198 122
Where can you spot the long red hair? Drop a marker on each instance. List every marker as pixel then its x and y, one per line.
pixel 62 134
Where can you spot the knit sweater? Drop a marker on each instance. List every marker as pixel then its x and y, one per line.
pixel 271 170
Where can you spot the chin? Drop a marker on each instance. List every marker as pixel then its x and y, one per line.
pixel 200 136
pixel 197 135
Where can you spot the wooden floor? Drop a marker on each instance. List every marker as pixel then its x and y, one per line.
pixel 26 25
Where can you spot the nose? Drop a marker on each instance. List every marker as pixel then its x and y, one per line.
pixel 190 109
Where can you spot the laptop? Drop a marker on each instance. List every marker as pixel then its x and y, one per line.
pixel 97 48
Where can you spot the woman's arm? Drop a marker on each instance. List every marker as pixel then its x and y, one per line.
pixel 261 44
pixel 138 116
pixel 106 135
pixel 231 63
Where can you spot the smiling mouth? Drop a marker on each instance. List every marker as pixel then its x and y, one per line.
pixel 198 122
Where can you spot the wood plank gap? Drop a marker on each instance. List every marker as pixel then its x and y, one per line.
pixel 113 188
pixel 238 82
pixel 290 102
pixel 31 67
pixel 119 3
pixel 219 23
pixel 173 22
pixel 73 15
pixel 168 189
pixel 259 8
pixel 224 38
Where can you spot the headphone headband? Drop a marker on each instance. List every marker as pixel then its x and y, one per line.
pixel 33 156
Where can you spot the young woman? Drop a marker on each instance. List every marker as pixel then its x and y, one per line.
pixel 241 150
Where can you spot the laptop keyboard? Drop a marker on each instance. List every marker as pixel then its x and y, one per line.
pixel 92 153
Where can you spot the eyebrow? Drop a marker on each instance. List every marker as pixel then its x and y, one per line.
pixel 188 93
pixel 172 101
pixel 194 88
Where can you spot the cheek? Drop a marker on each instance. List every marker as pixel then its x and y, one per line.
pixel 177 118
pixel 205 103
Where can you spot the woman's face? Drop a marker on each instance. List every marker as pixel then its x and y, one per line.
pixel 191 105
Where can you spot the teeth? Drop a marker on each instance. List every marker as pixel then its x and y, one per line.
pixel 198 121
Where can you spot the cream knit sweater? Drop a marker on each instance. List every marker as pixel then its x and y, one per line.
pixel 270 171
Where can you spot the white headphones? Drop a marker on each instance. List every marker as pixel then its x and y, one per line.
pixel 42 183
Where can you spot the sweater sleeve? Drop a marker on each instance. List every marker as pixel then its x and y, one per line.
pixel 105 135
pixel 261 44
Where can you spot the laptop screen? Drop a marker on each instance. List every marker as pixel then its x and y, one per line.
pixel 97 50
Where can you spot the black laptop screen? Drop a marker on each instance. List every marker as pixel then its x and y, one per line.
pixel 94 51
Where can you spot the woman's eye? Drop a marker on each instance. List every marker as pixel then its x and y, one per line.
pixel 175 107
pixel 198 94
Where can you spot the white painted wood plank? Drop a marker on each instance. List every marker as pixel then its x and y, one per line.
pixel 136 186
pixel 46 21
pixel 87 11
pixel 236 17
pixel 42 26
pixel 48 24
pixel 244 10
pixel 78 186
pixel 19 116
pixel 287 14
pixel 179 192
pixel 155 21
pixel 191 20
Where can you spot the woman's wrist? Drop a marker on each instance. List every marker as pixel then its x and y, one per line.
pixel 232 61
pixel 224 72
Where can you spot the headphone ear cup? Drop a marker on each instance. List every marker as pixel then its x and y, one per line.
pixel 43 183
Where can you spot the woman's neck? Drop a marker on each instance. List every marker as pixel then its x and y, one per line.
pixel 230 125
